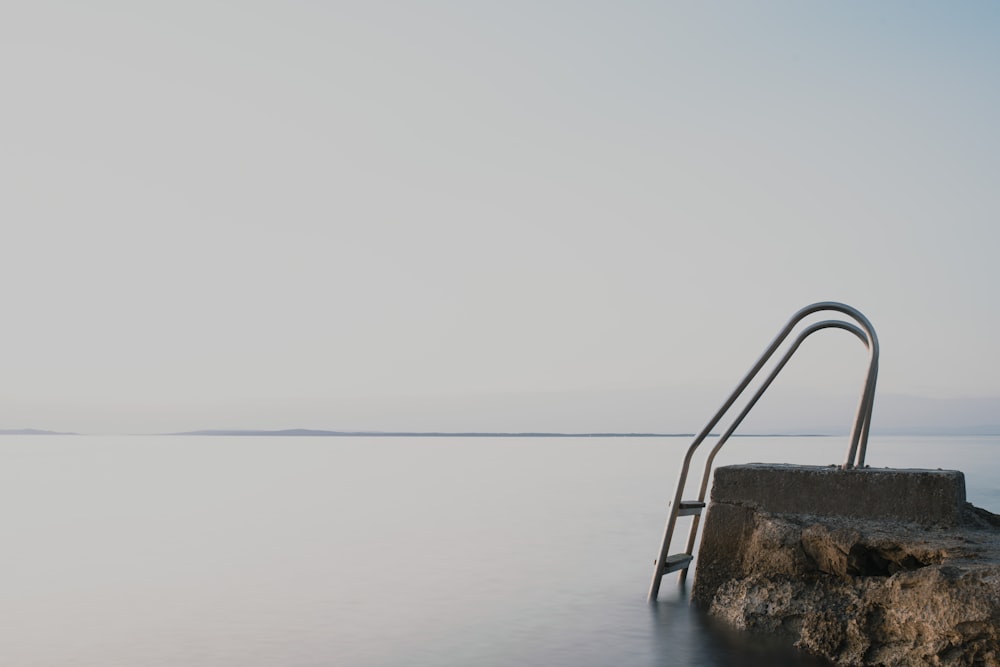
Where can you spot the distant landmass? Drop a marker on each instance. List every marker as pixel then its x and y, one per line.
pixel 435 434
pixel 636 413
pixel 982 429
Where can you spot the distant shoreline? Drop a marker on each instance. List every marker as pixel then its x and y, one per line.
pixel 471 434
pixel 304 432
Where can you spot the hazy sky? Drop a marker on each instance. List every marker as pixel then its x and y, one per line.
pixel 209 203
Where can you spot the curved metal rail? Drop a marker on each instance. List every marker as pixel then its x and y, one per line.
pixel 858 440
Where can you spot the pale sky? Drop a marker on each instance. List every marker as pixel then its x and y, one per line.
pixel 326 203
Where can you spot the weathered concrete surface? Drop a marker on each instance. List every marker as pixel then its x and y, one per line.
pixel 910 576
pixel 934 497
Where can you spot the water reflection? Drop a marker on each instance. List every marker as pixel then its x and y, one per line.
pixel 683 634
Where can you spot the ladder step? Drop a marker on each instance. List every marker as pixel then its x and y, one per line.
pixel 690 507
pixel 675 562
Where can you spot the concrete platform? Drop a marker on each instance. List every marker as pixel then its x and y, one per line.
pixel 927 497
pixel 881 567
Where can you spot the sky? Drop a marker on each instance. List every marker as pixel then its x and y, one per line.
pixel 377 214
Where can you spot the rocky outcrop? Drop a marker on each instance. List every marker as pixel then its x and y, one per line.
pixel 860 591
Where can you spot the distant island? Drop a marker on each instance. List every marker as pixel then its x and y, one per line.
pixel 434 434
pixel 308 432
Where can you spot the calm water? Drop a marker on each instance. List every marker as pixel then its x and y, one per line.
pixel 295 552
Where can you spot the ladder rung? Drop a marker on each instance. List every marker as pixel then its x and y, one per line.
pixel 690 507
pixel 676 562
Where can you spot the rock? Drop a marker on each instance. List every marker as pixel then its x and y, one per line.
pixel 858 591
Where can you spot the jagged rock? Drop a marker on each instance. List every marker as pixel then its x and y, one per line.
pixel 858 591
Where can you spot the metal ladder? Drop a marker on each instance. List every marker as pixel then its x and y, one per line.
pixel 665 563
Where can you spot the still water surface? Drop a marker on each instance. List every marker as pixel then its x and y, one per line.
pixel 308 552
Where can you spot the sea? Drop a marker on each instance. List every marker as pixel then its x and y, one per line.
pixel 217 551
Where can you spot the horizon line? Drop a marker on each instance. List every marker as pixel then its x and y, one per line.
pixel 304 432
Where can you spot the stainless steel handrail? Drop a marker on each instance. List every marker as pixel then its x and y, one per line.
pixel 703 489
pixel 825 324
pixel 858 443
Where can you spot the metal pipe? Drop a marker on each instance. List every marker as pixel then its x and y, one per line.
pixel 808 331
pixel 819 326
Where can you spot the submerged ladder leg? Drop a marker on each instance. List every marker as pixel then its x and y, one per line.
pixel 666 564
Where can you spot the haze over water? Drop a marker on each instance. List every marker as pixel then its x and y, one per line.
pixel 475 216
pixel 258 551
